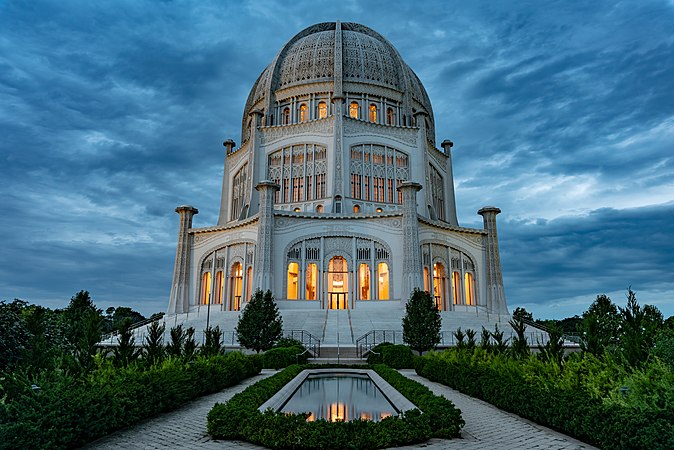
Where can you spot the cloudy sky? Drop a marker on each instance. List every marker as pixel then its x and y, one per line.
pixel 114 113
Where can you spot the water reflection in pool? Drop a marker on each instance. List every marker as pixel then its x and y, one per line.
pixel 340 397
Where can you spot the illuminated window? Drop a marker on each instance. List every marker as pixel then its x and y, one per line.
pixel 456 287
pixel 219 283
pixel 364 281
pixel 297 210
pixel 390 117
pixel 236 278
pixel 338 283
pixel 438 284
pixel 379 210
pixel 382 274
pixel 469 286
pixel 206 288
pixel 303 112
pixel 356 209
pixel 322 110
pixel 249 283
pixel 286 116
pixel 426 284
pixel 319 209
pixel 353 110
pixel 373 113
pixel 293 278
pixel 311 282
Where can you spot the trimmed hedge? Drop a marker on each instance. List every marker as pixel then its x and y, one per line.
pixel 69 412
pixel 571 410
pixel 278 358
pixel 396 356
pixel 240 419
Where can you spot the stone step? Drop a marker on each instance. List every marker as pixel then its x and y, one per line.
pixel 350 361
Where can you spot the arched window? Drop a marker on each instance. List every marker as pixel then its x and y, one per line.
pixel 322 110
pixel 312 282
pixel 356 209
pixel 249 283
pixel 297 209
pixel 285 118
pixel 303 112
pixel 426 284
pixel 319 209
pixel 390 117
pixel 206 288
pixel 373 113
pixel 219 283
pixel 469 282
pixel 382 274
pixel 353 110
pixel 338 283
pixel 236 280
pixel 456 287
pixel 438 284
pixel 364 282
pixel 293 278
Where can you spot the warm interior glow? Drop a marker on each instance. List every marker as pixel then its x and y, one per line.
pixel 293 277
pixel 219 283
pixel 364 281
pixel 319 209
pixel 356 209
pixel 303 112
pixel 379 210
pixel 469 286
pixel 297 209
pixel 311 282
pixel 206 288
pixel 456 287
pixel 353 110
pixel 438 284
pixel 426 288
pixel 373 113
pixel 338 413
pixel 382 271
pixel 322 110
pixel 338 286
pixel 237 285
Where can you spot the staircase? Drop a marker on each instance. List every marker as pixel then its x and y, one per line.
pixel 338 355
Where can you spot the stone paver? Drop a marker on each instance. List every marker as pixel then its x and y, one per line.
pixel 486 427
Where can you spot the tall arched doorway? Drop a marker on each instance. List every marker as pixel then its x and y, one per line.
pixel 236 280
pixel 338 283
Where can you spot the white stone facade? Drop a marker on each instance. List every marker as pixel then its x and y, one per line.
pixel 338 196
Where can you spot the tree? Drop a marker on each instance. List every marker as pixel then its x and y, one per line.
pixel 125 352
pixel 154 343
pixel 212 342
pixel 13 334
pixel 520 346
pixel 485 340
pixel 600 326
pixel 422 322
pixel 175 347
pixel 638 336
pixel 553 350
pixel 500 345
pixel 523 314
pixel 260 325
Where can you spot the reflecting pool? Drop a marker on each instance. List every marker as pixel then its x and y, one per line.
pixel 340 397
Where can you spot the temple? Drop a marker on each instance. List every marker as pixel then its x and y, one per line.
pixel 338 199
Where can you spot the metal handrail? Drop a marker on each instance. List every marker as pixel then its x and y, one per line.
pixel 307 339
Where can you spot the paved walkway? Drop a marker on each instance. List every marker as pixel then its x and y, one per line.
pixel 486 427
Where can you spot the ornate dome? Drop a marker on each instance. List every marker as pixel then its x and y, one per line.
pixel 364 59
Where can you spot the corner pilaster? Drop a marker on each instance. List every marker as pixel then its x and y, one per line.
pixel 496 301
pixel 412 251
pixel 179 298
pixel 263 275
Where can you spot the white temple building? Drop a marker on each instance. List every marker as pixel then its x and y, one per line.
pixel 338 200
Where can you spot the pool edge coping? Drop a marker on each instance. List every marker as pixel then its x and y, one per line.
pixel 399 401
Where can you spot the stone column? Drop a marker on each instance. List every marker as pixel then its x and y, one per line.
pixel 411 251
pixel 263 251
pixel 496 301
pixel 450 198
pixel 179 298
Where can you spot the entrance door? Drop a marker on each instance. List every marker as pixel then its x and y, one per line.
pixel 338 283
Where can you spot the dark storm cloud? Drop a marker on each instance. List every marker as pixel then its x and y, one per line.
pixel 111 114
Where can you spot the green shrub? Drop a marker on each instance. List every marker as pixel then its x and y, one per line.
pixel 69 412
pixel 240 419
pixel 278 358
pixel 590 388
pixel 375 355
pixel 397 356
